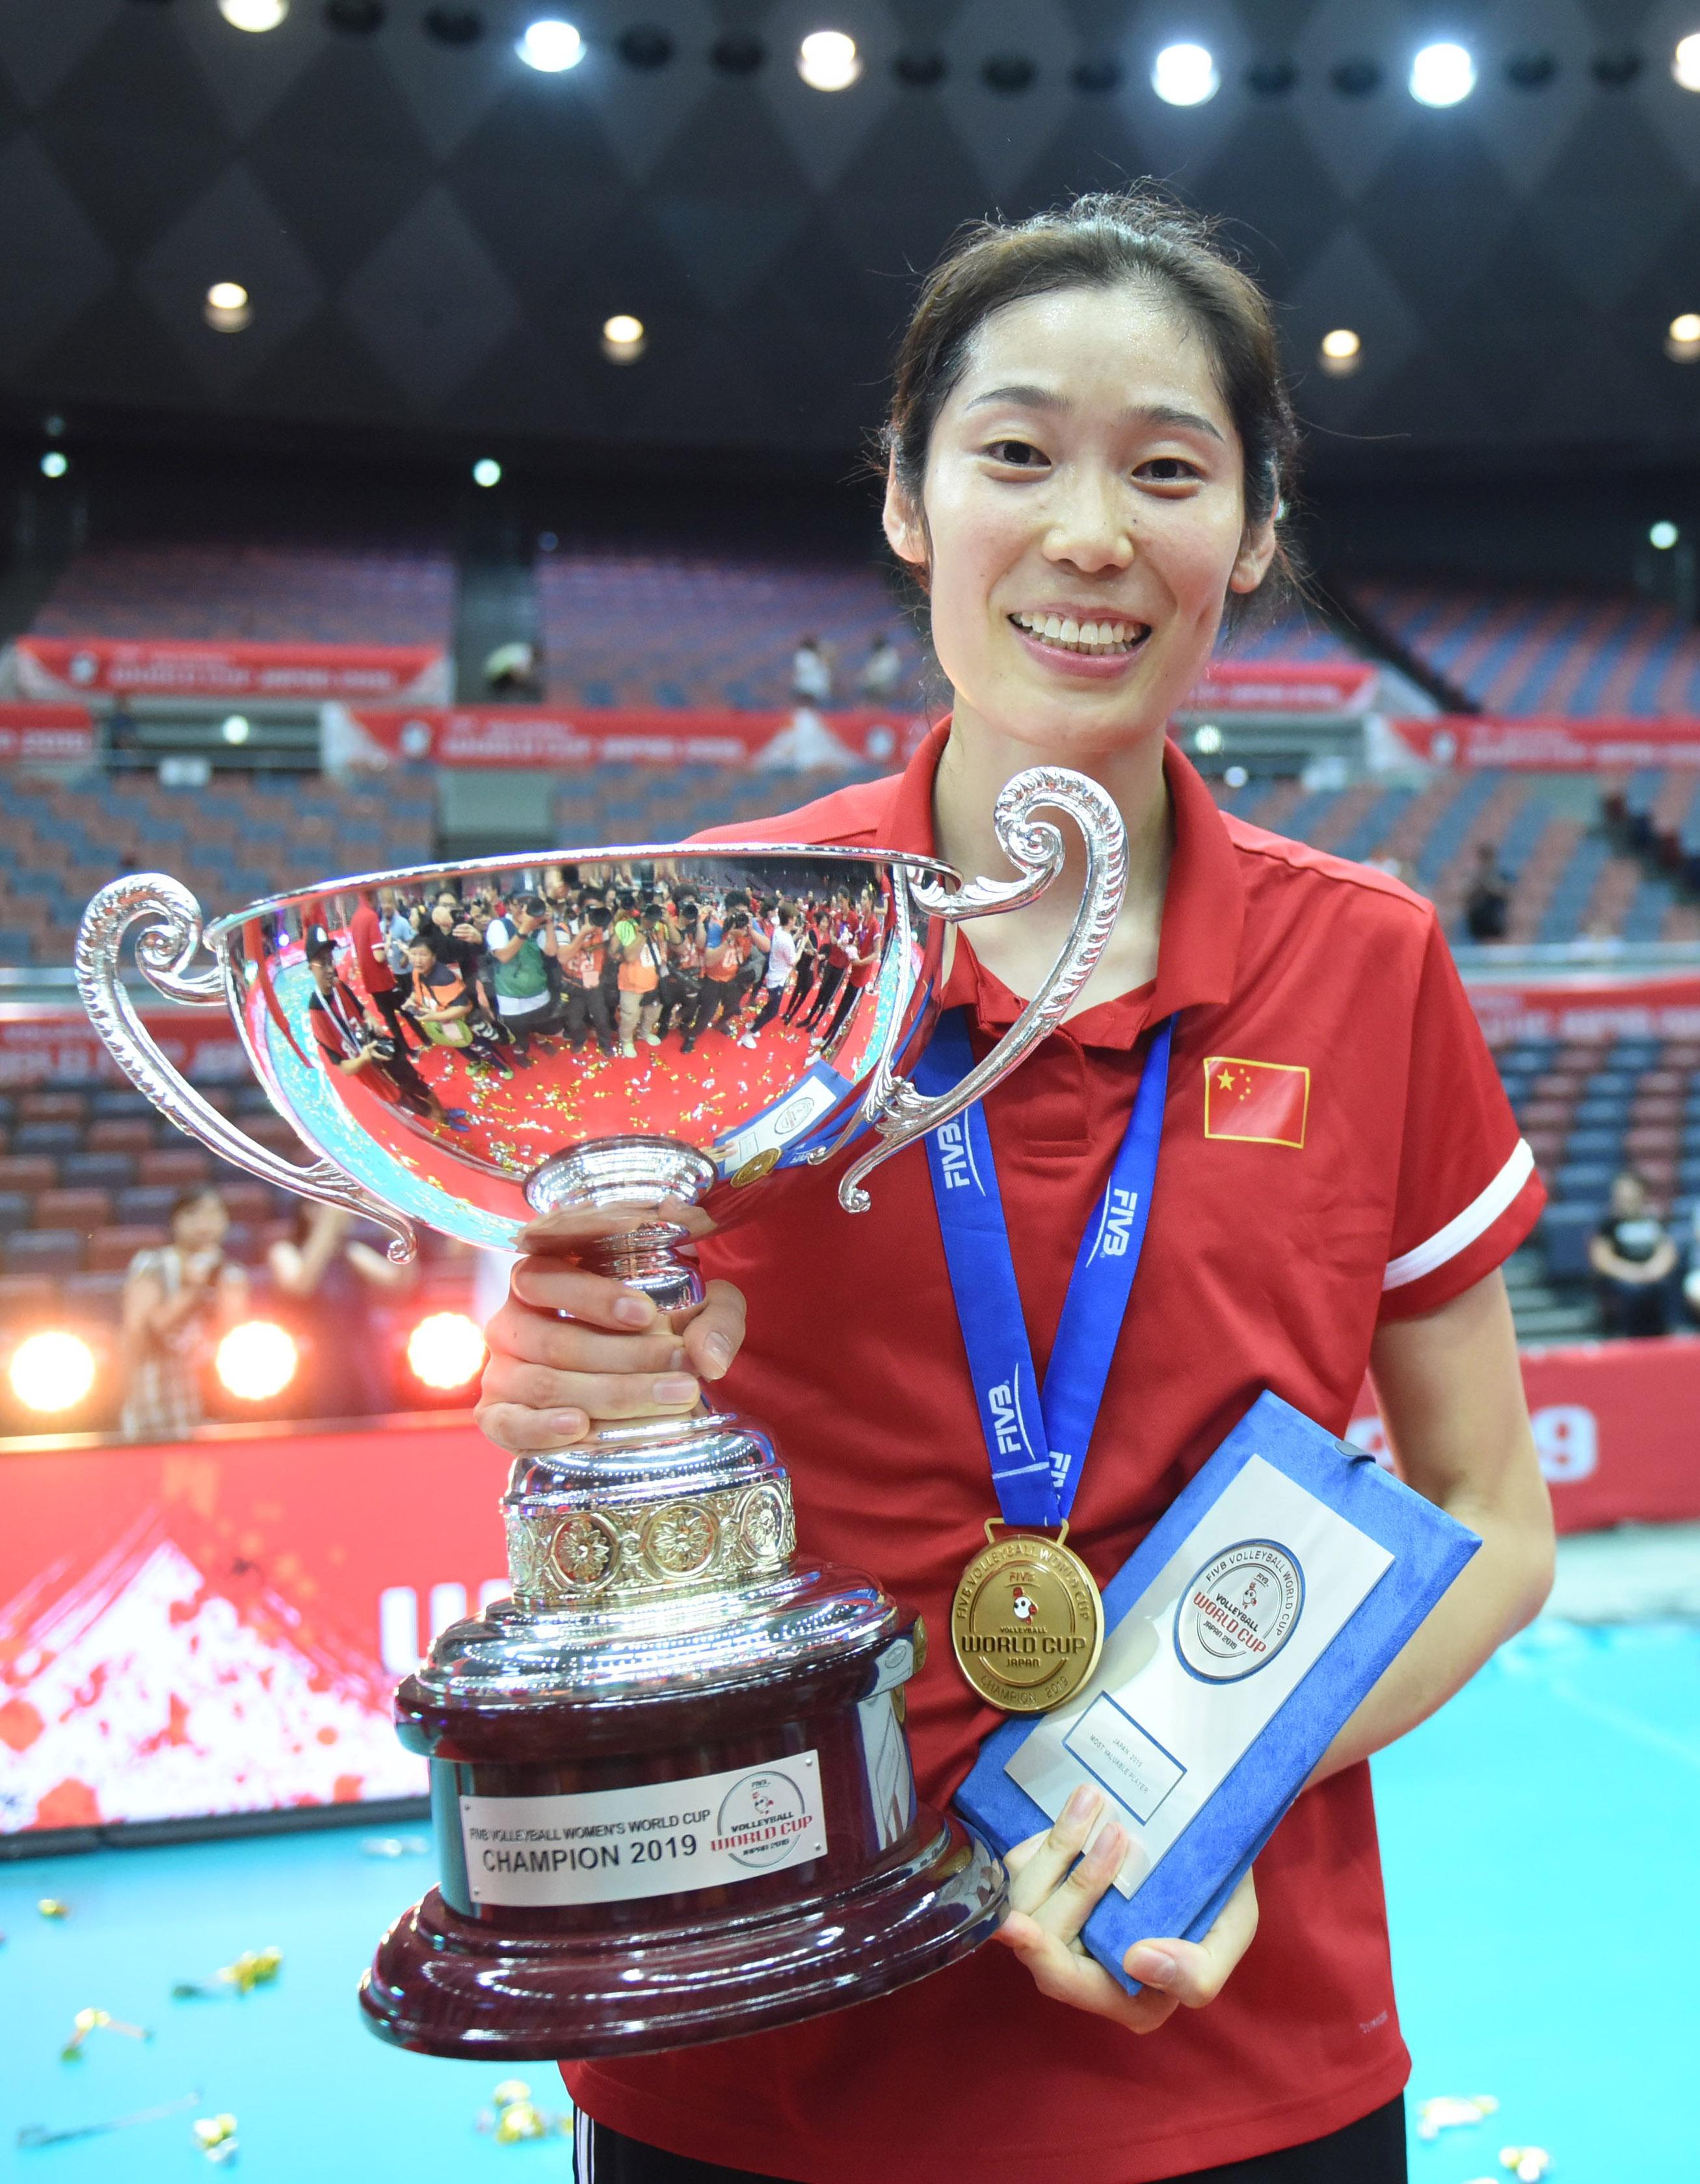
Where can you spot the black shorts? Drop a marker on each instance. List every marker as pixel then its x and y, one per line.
pixel 1371 2151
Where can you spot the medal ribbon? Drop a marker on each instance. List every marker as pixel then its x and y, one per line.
pixel 1037 1438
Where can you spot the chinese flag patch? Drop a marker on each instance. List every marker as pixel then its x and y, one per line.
pixel 1262 1103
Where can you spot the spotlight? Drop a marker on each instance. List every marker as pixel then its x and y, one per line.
pixel 1207 739
pixel 445 1350
pixel 1185 75
pixel 1442 74
pixel 253 15
pixel 235 728
pixel 920 68
pixel 623 338
pixel 1008 73
pixel 1356 79
pixel 827 60
pixel 486 471
pixel 1339 351
pixel 550 46
pixel 645 45
pixel 1663 536
pixel 256 1361
pixel 226 310
pixel 53 464
pixel 1685 63
pixel 1234 777
pixel 52 1371
pixel 1682 337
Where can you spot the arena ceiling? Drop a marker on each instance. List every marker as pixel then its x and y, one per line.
pixel 432 234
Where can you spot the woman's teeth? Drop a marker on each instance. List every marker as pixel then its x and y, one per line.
pixel 1101 637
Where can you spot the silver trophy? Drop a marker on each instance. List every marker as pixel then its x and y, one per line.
pixel 670 1783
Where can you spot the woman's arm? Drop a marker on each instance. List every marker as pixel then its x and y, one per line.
pixel 1452 1401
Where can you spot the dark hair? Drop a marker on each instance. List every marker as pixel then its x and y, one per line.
pixel 191 1194
pixel 1101 241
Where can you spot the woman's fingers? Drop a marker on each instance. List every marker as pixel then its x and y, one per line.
pixel 1039 1864
pixel 570 1345
pixel 620 1394
pixel 1066 1910
pixel 713 1332
pixel 556 1285
pixel 523 1432
pixel 1194 1973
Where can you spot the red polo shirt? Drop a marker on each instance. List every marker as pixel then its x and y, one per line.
pixel 1336 1150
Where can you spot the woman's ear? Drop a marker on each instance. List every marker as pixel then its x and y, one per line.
pixel 904 529
pixel 1252 563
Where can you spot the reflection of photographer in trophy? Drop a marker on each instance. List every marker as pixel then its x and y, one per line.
pixel 335 1276
pixel 354 1047
pixel 724 956
pixel 584 1005
pixel 643 962
pixel 522 946
pixel 441 1002
pixel 782 957
pixel 681 988
pixel 178 1297
pixel 860 945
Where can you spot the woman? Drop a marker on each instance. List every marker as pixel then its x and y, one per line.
pixel 333 1277
pixel 1089 452
pixel 177 1298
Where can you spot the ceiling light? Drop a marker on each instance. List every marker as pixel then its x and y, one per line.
pixel 52 1371
pixel 1682 338
pixel 253 15
pixel 827 60
pixel 623 338
pixel 486 471
pixel 1442 74
pixel 1207 739
pixel 1185 75
pixel 1339 351
pixel 53 464
pixel 235 728
pixel 1684 64
pixel 1235 776
pixel 550 45
pixel 1663 536
pixel 226 310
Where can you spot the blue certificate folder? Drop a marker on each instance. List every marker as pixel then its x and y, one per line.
pixel 1190 1883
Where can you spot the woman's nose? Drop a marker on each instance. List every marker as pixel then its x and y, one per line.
pixel 1090 527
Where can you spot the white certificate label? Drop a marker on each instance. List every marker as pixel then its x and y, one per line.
pixel 604 1846
pixel 1203 1662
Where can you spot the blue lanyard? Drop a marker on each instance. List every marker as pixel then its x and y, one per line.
pixel 1037 1438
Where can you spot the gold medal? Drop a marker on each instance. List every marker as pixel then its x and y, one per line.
pixel 1027 1622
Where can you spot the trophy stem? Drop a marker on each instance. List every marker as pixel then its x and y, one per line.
pixel 638 1175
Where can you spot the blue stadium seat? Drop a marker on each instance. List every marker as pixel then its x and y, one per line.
pixel 116 1105
pixel 1596 1143
pixel 47 1138
pixel 15 1210
pixel 1564 1233
pixel 97 1171
pixel 1596 1111
pixel 45 1251
pixel 146 1204
pixel 1588 1181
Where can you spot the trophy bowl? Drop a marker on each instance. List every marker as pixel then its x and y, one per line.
pixel 671 1789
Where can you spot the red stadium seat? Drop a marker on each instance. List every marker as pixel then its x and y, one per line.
pixel 28 1172
pixel 51 1107
pixel 111 1250
pixel 178 1164
pixel 84 1209
pixel 129 1134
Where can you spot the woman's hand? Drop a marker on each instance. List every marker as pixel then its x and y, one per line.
pixel 1053 1889
pixel 571 1344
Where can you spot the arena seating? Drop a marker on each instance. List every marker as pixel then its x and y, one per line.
pixel 1543 652
pixel 1293 636
pixel 243 838
pixel 643 625
pixel 259 593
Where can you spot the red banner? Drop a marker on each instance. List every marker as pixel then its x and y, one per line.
pixel 67 667
pixel 1588 1009
pixel 42 1044
pixel 548 736
pixel 1278 686
pixel 217 1626
pixel 1556 744
pixel 47 735
pixel 1617 1429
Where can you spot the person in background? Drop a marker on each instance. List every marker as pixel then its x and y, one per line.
pixel 334 1277
pixel 441 1002
pixel 353 1047
pixel 368 940
pixel 522 945
pixel 514 671
pixel 811 674
pixel 782 957
pixel 178 1298
pixel 586 1009
pixel 808 946
pixel 881 670
pixel 1487 907
pixel 1634 1257
pixel 398 930
pixel 643 962
pixel 838 929
pixel 861 946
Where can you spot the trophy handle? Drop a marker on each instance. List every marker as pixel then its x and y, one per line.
pixel 1035 847
pixel 166 952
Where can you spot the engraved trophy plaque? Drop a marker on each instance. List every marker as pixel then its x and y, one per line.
pixel 669 1784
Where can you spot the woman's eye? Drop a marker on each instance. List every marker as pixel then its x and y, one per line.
pixel 1167 470
pixel 1019 454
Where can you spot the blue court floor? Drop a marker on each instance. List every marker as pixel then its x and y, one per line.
pixel 1541 1861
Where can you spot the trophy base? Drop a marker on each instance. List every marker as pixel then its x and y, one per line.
pixel 446 1985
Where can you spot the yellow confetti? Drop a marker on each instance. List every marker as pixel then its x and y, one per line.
pixel 519 2119
pixel 216 2135
pixel 509 2091
pixel 51 1907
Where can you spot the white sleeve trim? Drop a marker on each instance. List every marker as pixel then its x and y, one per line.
pixel 1463 1229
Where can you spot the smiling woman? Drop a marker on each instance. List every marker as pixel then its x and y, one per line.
pixel 1089 456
